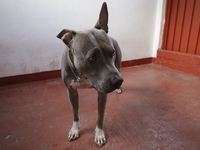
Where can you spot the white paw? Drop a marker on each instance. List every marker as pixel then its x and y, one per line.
pixel 119 91
pixel 74 132
pixel 100 139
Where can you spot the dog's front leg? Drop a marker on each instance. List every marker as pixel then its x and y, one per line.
pixel 73 97
pixel 99 133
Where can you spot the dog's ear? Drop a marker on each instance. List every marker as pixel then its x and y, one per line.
pixel 66 36
pixel 102 23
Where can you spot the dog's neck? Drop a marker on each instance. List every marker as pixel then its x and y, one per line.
pixel 73 69
pixel 81 80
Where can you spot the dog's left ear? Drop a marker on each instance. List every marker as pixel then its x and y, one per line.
pixel 66 36
pixel 102 23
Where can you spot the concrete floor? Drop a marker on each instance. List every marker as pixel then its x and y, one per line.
pixel 158 110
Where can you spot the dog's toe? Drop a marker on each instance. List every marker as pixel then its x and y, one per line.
pixel 73 135
pixel 100 139
pixel 74 132
pixel 119 91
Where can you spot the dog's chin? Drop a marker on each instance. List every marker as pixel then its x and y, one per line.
pixel 106 90
pixel 109 91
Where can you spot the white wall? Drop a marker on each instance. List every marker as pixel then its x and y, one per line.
pixel 28 30
pixel 159 26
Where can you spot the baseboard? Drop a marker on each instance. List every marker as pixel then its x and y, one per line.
pixel 186 63
pixel 57 73
pixel 29 77
pixel 137 62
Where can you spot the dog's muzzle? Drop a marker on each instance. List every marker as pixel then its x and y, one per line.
pixel 117 82
pixel 114 84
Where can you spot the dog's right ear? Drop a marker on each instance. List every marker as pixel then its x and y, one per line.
pixel 66 36
pixel 102 23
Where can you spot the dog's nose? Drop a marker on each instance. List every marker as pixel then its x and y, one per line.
pixel 117 82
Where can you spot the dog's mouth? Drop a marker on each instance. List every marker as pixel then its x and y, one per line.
pixel 108 88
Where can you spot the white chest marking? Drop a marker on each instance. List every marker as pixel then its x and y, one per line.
pixel 84 83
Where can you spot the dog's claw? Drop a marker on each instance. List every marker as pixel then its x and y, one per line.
pixel 100 139
pixel 74 132
pixel 73 135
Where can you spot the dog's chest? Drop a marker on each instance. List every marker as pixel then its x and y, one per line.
pixel 82 84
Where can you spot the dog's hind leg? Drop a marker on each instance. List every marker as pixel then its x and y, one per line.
pixel 118 60
pixel 118 66
pixel 73 97
pixel 119 90
pixel 99 133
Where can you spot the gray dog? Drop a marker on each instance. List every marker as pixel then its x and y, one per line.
pixel 91 59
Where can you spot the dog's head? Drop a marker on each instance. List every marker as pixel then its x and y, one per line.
pixel 94 54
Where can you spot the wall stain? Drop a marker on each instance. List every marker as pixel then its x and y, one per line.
pixel 54 64
pixel 24 68
pixel 36 69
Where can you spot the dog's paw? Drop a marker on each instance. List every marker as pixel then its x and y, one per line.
pixel 100 139
pixel 119 91
pixel 74 132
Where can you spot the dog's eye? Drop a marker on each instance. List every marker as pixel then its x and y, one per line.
pixel 114 53
pixel 93 59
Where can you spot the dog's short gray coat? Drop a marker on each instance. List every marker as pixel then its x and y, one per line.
pixel 91 59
